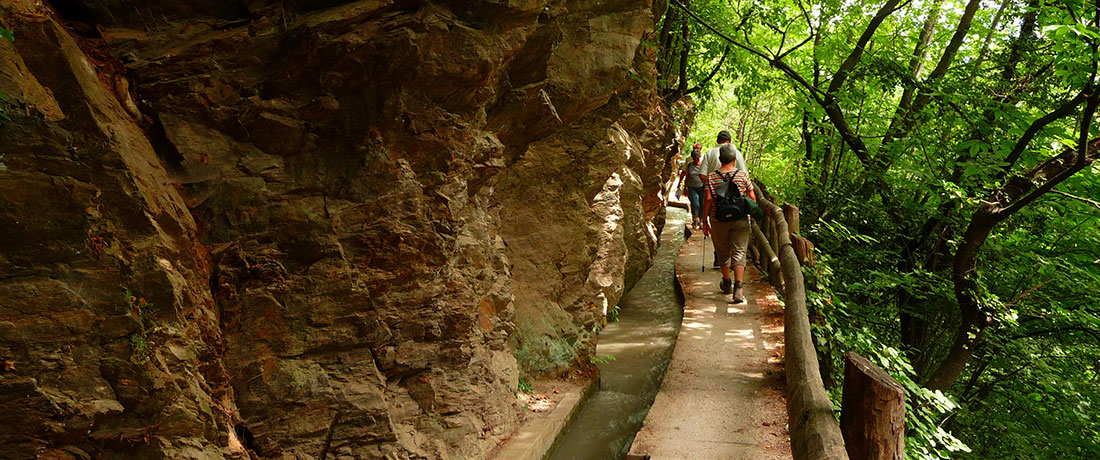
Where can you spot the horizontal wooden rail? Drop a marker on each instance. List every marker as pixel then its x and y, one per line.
pixel 815 433
pixel 872 424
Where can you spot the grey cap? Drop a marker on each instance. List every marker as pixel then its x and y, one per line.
pixel 724 135
pixel 726 154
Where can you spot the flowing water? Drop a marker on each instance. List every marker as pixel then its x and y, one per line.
pixel 641 343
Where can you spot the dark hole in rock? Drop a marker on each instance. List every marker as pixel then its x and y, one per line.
pixel 79 18
pixel 73 10
pixel 247 439
pixel 162 145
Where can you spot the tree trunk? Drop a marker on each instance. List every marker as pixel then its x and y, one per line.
pixel 807 139
pixel 906 121
pixel 664 64
pixel 988 39
pixel 920 52
pixel 1018 192
pixel 685 48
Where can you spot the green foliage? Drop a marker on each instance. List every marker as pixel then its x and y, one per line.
pixel 537 351
pixel 844 326
pixel 613 314
pixel 602 359
pixel 524 386
pixel 140 345
pixel 886 285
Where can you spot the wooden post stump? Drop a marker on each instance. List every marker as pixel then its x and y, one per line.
pixel 804 249
pixel 790 212
pixel 872 416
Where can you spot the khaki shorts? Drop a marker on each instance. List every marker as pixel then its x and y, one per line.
pixel 731 240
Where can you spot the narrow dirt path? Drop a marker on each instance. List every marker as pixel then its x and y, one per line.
pixel 722 397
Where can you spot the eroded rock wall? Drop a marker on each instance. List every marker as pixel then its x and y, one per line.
pixel 312 229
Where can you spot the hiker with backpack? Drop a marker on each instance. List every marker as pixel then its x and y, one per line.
pixel 710 162
pixel 728 219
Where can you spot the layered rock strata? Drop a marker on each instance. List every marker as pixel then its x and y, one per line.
pixel 312 229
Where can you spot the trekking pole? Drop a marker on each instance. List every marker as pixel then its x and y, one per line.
pixel 704 270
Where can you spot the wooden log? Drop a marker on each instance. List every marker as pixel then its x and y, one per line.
pixel 872 416
pixel 804 249
pixel 678 204
pixel 773 235
pixel 815 434
pixel 769 259
pixel 762 190
pixel 790 212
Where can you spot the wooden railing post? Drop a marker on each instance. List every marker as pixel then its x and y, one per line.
pixel 790 211
pixel 872 416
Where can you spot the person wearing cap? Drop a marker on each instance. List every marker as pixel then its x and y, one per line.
pixel 710 162
pixel 731 239
pixel 710 159
pixel 692 180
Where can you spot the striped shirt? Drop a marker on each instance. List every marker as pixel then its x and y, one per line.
pixel 741 178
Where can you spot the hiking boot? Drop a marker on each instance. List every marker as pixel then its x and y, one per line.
pixel 716 264
pixel 738 295
pixel 695 223
pixel 725 285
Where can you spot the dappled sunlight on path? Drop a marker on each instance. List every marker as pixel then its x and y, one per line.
pixel 722 396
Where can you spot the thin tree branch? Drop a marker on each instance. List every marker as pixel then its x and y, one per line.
pixel 1063 110
pixel 1086 154
pixel 1081 199
pixel 795 47
pixel 712 73
pixel 853 58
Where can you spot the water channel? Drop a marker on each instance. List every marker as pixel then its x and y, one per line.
pixel 642 343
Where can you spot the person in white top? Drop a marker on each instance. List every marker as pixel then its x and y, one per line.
pixel 711 162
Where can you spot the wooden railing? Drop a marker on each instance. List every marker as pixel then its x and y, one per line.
pixel 872 422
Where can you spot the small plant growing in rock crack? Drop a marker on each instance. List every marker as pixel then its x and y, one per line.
pixel 601 359
pixel 613 314
pixel 139 340
pixel 524 386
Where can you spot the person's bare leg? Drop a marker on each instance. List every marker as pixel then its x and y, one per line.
pixel 738 272
pixel 727 285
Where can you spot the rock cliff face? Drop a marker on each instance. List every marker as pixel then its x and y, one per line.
pixel 312 229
